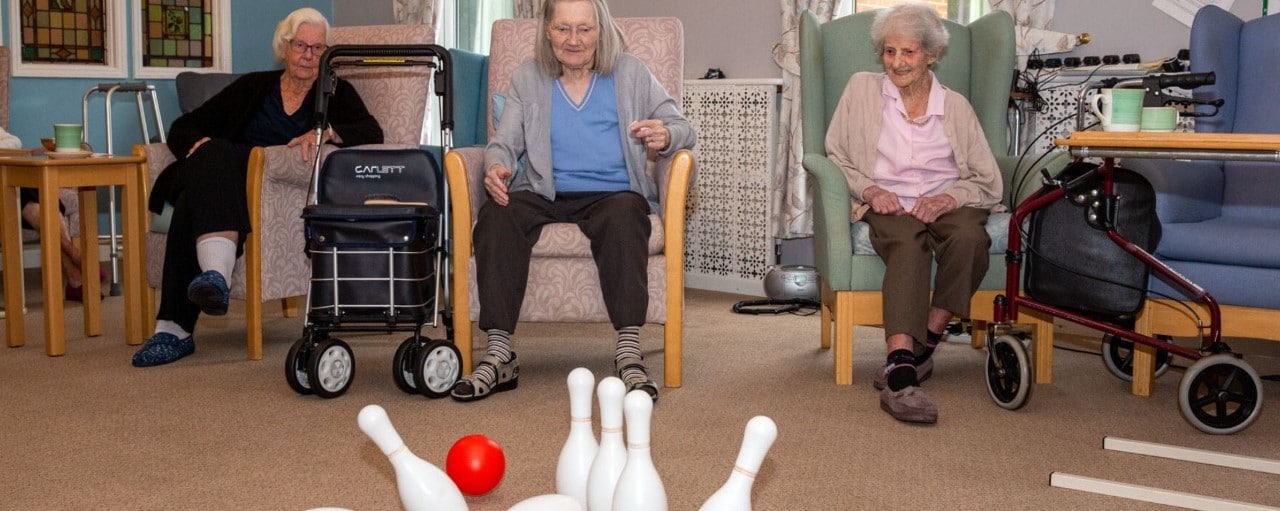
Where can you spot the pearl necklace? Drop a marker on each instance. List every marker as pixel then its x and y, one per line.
pixel 916 122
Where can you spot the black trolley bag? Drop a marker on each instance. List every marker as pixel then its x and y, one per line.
pixel 1071 262
pixel 376 231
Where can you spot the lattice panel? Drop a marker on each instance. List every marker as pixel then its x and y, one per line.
pixel 728 247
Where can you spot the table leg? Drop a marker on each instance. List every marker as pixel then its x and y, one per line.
pixel 134 205
pixel 11 242
pixel 51 267
pixel 92 291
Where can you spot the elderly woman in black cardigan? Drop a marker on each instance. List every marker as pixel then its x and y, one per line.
pixel 206 185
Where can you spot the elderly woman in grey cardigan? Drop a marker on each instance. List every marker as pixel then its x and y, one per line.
pixel 922 176
pixel 578 126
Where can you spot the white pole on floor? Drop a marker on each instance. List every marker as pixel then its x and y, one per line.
pixel 1265 465
pixel 1149 494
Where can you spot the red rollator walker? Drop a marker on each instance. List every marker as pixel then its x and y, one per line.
pixel 1219 393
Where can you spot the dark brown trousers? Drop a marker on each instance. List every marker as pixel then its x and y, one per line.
pixel 617 223
pixel 957 241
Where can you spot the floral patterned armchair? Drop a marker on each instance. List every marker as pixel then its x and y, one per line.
pixel 564 285
pixel 274 266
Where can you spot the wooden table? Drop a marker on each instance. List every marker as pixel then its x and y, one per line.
pixel 85 174
pixel 1178 146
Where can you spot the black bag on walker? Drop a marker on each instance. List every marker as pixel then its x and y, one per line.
pixel 372 237
pixel 1073 265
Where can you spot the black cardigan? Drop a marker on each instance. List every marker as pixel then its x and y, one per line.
pixel 225 115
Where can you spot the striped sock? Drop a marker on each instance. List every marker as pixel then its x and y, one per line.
pixel 931 343
pixel 499 348
pixel 628 354
pixel 900 370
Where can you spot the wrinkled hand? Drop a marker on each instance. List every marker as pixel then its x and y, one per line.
pixel 652 133
pixel 306 143
pixel 196 146
pixel 928 209
pixel 495 182
pixel 883 202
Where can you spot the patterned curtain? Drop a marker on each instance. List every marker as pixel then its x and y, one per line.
pixel 1031 19
pixel 416 12
pixel 791 203
pixel 527 8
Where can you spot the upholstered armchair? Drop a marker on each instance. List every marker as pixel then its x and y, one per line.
pixel 274 265
pixel 979 64
pixel 563 283
pixel 1220 221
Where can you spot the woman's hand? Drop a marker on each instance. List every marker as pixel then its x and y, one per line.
pixel 495 182
pixel 196 146
pixel 307 142
pixel 652 133
pixel 928 209
pixel 883 202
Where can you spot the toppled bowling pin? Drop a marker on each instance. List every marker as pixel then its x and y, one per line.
pixel 580 447
pixel 553 502
pixel 422 486
pixel 639 487
pixel 612 456
pixel 735 495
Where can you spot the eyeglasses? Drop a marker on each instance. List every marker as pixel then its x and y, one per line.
pixel 300 47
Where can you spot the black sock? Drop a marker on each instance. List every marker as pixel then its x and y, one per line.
pixel 931 341
pixel 900 368
pixel 628 353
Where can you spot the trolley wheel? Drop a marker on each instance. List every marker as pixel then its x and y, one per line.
pixel 402 365
pixel 1117 354
pixel 436 368
pixel 295 366
pixel 331 367
pixel 1008 372
pixel 1220 394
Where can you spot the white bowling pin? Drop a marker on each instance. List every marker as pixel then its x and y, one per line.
pixel 580 448
pixel 552 502
pixel 735 495
pixel 612 455
pixel 639 486
pixel 422 486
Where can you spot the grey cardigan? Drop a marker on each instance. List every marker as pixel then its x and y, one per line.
pixel 524 134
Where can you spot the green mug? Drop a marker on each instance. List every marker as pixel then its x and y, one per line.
pixel 1118 109
pixel 67 137
pixel 1162 119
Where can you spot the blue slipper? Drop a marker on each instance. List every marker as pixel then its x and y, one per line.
pixel 163 348
pixel 209 290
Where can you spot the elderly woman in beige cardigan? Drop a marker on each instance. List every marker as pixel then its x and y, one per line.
pixel 921 175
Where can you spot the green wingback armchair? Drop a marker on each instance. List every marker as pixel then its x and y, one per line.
pixel 979 64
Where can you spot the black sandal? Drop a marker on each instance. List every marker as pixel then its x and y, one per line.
pixel 468 389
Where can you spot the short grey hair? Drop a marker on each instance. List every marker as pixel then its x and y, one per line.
pixel 607 49
pixel 288 27
pixel 912 20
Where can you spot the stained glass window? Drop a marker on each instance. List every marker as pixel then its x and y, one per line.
pixel 64 31
pixel 177 33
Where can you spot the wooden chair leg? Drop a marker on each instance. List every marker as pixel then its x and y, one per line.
pixel 289 306
pixel 843 352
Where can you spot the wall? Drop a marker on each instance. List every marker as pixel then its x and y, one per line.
pixel 736 36
pixel 1118 28
pixel 37 103
pixel 364 12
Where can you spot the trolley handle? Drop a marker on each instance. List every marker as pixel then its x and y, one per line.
pixel 385 55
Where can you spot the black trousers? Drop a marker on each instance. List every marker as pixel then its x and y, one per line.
pixel 209 198
pixel 617 223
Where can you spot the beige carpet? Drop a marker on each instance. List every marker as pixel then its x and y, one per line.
pixel 214 431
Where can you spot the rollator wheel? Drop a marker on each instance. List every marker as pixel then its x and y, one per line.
pixel 402 365
pixel 295 366
pixel 1008 372
pixel 1220 394
pixel 437 367
pixel 331 368
pixel 1117 354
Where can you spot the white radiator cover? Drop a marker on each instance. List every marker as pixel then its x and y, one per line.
pixel 728 246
